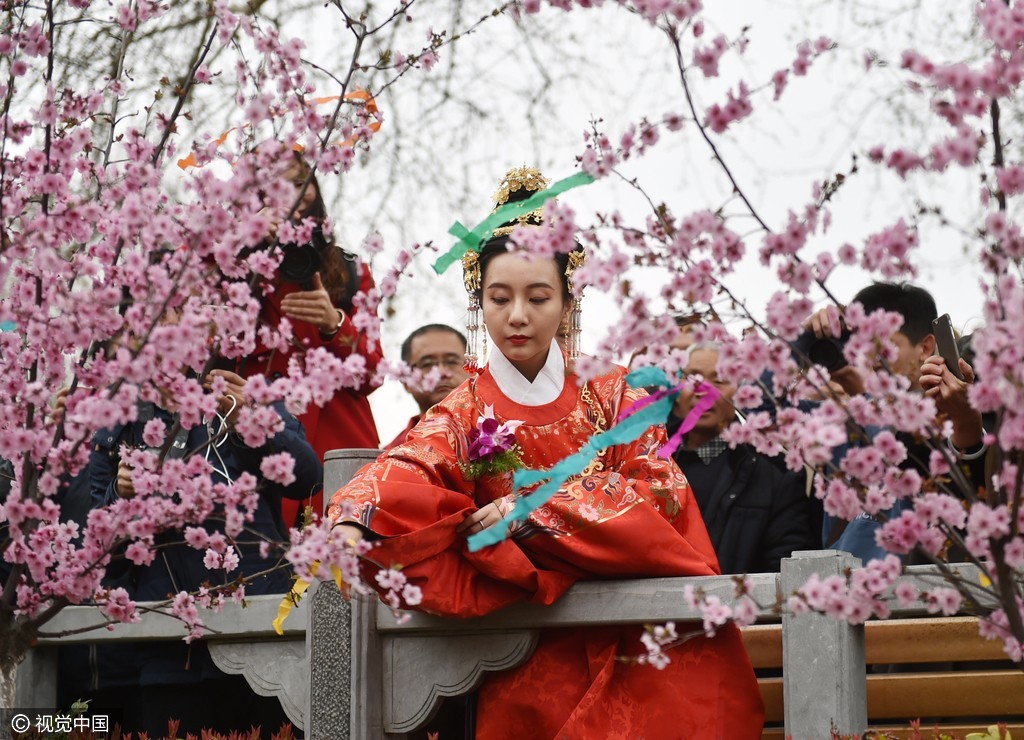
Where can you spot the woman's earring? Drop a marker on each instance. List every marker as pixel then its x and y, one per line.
pixel 471 279
pixel 473 326
pixel 572 335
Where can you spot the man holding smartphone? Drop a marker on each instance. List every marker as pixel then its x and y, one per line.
pixel 915 343
pixel 949 390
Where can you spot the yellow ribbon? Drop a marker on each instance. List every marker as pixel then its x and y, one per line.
pixel 293 597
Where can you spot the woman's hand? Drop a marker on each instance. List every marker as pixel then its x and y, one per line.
pixel 314 307
pixel 274 218
pixel 123 483
pixel 350 534
pixel 481 519
pixel 234 397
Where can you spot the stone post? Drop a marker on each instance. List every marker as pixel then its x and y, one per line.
pixel 345 688
pixel 824 678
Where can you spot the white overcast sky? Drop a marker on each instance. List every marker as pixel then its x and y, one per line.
pixel 433 163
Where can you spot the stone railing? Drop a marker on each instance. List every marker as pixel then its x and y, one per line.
pixel 349 669
pixel 241 641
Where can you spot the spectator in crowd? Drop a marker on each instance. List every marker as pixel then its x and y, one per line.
pixel 756 512
pixel 915 343
pixel 914 340
pixel 433 346
pixel 154 682
pixel 320 307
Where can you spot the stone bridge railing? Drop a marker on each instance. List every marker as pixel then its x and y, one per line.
pixel 349 669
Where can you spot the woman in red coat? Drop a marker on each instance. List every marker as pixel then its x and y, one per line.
pixel 314 289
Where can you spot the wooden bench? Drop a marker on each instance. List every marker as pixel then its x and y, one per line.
pixel 956 701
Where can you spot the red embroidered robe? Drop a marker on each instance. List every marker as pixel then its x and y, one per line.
pixel 631 515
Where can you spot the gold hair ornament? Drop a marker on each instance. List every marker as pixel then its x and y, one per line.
pixel 471 279
pixel 519 178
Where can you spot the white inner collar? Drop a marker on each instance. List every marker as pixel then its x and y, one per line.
pixel 545 388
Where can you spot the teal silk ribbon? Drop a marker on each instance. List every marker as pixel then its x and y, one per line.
pixel 468 240
pixel 633 422
pixel 625 431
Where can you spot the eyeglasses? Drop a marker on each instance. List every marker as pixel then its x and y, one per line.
pixel 449 362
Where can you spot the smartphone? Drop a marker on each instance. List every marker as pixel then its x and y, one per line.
pixel 945 344
pixel 223 363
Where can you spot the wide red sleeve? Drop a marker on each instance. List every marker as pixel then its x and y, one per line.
pixel 636 517
pixel 632 516
pixel 416 517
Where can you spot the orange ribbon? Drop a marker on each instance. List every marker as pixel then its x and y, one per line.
pixel 359 94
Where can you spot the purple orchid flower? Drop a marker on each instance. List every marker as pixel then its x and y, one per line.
pixel 492 438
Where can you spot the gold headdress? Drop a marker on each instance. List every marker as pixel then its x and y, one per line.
pixel 516 179
pixel 530 181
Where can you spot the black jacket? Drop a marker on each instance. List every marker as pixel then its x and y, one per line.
pixel 755 512
pixel 180 567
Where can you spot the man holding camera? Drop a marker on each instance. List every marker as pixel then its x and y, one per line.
pixel 915 343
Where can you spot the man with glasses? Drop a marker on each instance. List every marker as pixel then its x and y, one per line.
pixel 433 346
pixel 756 511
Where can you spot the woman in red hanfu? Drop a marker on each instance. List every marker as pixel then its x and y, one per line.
pixel 631 514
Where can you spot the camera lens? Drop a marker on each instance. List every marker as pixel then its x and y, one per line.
pixel 302 261
pixel 299 263
pixel 828 353
pixel 824 351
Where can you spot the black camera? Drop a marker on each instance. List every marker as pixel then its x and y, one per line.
pixel 302 261
pixel 809 349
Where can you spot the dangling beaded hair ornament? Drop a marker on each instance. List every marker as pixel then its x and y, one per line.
pixel 572 337
pixel 471 279
pixel 529 180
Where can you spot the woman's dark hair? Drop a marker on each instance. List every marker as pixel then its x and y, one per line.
pixel 499 245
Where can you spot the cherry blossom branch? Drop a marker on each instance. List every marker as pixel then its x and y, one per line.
pixel 681 65
pixel 401 9
pixel 28 471
pixel 5 114
pixel 117 71
pixel 183 90
pixel 997 147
